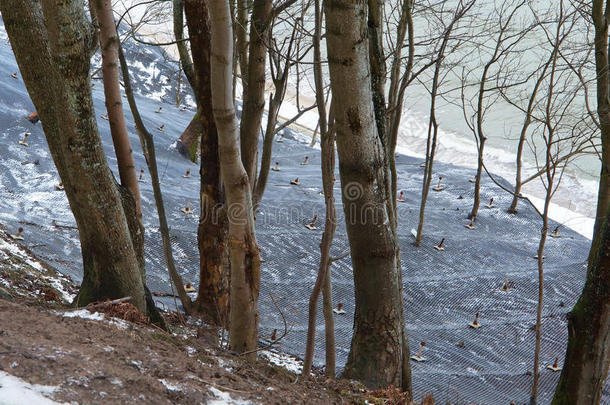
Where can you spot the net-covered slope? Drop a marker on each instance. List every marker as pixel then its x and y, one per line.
pixel 442 289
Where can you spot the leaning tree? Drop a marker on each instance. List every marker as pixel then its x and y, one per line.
pixel 53 43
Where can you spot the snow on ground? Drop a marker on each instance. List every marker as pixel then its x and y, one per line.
pixel 94 316
pixel 224 398
pixel 85 314
pixel 15 391
pixel 283 360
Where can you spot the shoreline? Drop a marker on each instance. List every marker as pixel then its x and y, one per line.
pixel 579 216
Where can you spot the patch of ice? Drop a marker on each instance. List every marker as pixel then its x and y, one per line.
pixel 15 391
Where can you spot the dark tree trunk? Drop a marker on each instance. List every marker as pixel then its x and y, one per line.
pixel 588 355
pixel 213 297
pixel 378 355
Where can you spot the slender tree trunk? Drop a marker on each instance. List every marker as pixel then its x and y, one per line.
pixel 241 39
pixel 329 326
pixel 378 348
pixel 148 149
pixel 109 42
pixel 213 296
pixel 63 101
pixel 254 88
pixel 588 354
pixel 244 252
pixel 185 59
pixel 328 169
pixel 431 142
pixel 188 143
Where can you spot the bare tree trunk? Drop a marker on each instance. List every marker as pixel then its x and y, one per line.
pixel 188 143
pixel 63 101
pixel 460 11
pixel 378 350
pixel 213 296
pixel 241 39
pixel 329 326
pixel 588 357
pixel 185 59
pixel 254 88
pixel 109 42
pixel 244 252
pixel 431 141
pixel 328 168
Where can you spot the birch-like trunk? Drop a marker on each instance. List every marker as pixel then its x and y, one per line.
pixel 244 252
pixel 109 43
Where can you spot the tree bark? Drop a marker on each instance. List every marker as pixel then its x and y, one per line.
pixel 60 47
pixel 213 296
pixel 254 88
pixel 109 42
pixel 378 350
pixel 588 354
pixel 148 149
pixel 327 143
pixel 244 252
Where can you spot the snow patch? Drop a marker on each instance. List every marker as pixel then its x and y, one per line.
pixel 170 386
pixel 15 391
pixel 283 360
pixel 85 314
pixel 224 398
